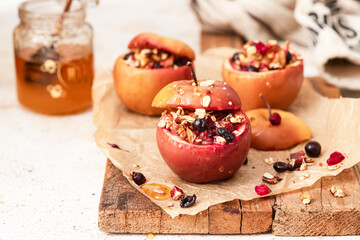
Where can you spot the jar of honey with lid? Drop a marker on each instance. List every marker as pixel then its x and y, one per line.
pixel 54 56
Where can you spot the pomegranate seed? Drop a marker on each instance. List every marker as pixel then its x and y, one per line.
pixel 262 189
pixel 176 193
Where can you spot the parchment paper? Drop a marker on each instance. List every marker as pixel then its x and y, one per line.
pixel 335 123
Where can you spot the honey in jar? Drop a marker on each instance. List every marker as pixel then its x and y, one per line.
pixel 54 70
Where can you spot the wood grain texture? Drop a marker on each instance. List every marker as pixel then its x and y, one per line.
pixel 123 209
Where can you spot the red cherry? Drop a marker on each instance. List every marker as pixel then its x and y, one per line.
pixel 274 118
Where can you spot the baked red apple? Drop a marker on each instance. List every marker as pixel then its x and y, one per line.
pixel 268 69
pixel 152 62
pixel 203 136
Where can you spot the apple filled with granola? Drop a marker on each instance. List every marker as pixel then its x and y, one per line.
pixel 203 136
pixel 152 62
pixel 268 69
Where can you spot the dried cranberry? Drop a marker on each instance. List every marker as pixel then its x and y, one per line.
pixel 313 149
pixel 230 127
pixel 126 57
pixel 252 69
pixel 275 119
pixel 282 167
pixel 261 48
pixel 226 134
pixel 157 65
pixel 188 201
pixel 288 57
pixel 262 189
pixel 297 155
pixel 335 158
pixel 235 57
pixel 200 125
pixel 138 178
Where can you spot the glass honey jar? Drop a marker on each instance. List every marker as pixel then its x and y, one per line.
pixel 53 57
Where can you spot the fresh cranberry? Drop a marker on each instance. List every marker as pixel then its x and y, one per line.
pixel 335 158
pixel 275 119
pixel 262 189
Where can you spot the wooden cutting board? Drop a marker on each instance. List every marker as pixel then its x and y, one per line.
pixel 123 209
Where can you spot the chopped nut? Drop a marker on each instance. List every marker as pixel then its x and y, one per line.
pixel 303 167
pixel 309 161
pixel 268 175
pixel 272 42
pixel 220 140
pixel 304 176
pixel 236 133
pixel 337 192
pixel 270 178
pixel 251 50
pixel 207 83
pixel 201 113
pixel 305 198
pixel 336 166
pixel 269 161
pixel 176 193
pixel 206 101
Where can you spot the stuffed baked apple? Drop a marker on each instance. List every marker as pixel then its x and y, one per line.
pixel 203 136
pixel 152 62
pixel 268 69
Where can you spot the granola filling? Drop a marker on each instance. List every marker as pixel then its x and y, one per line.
pixel 151 58
pixel 256 56
pixel 201 127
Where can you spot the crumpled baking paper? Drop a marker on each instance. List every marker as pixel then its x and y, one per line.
pixel 335 123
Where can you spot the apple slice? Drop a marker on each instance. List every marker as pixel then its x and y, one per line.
pixel 265 136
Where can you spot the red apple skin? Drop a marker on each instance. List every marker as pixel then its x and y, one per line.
pixel 204 163
pixel 137 87
pixel 279 87
pixel 184 94
pixel 164 43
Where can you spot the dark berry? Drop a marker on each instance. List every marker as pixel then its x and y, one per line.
pixel 282 167
pixel 138 178
pixel 246 161
pixel 235 57
pixel 126 57
pixel 226 134
pixel 157 65
pixel 252 69
pixel 313 149
pixel 181 61
pixel 188 201
pixel 275 119
pixel 199 125
pixel 288 57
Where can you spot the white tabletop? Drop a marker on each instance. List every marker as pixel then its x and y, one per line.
pixel 51 171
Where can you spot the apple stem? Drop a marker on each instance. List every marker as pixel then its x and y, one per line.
pixel 189 64
pixel 266 103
